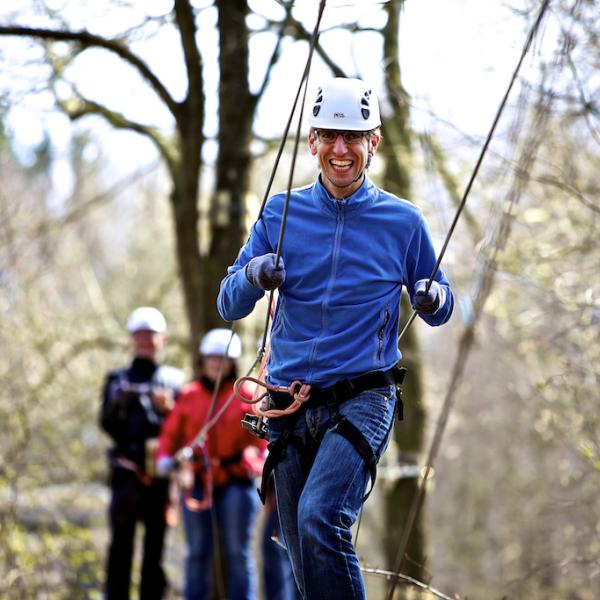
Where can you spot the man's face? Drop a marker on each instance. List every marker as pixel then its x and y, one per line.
pixel 342 158
pixel 147 344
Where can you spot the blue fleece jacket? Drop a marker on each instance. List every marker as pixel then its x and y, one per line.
pixel 346 262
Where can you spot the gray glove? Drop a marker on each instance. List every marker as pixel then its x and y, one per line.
pixel 164 465
pixel 261 272
pixel 427 303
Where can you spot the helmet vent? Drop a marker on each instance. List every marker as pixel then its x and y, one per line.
pixel 365 110
pixel 318 101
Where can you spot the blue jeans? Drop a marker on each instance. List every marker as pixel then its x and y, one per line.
pixel 319 503
pixel 279 579
pixel 235 507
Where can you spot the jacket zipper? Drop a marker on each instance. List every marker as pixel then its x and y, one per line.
pixel 339 226
pixel 382 333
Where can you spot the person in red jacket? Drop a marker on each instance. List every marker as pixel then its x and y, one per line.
pixel 223 492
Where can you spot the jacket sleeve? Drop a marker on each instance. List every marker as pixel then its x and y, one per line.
pixel 420 262
pixel 238 296
pixel 113 413
pixel 172 431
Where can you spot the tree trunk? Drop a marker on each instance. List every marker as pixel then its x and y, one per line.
pixel 191 271
pixel 409 434
pixel 186 179
pixel 236 112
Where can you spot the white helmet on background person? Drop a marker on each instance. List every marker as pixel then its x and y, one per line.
pixel 345 104
pixel 216 341
pixel 146 317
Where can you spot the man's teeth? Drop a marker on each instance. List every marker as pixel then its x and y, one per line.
pixel 341 163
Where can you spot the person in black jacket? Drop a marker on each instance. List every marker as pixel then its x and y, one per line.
pixel 135 401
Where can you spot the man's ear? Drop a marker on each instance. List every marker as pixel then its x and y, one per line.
pixel 312 142
pixel 374 141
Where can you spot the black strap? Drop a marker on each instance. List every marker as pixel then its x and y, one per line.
pixel 276 453
pixel 349 431
pixel 346 388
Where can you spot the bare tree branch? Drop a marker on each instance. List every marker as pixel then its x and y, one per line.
pixel 78 107
pixel 83 209
pixel 571 190
pixel 411 581
pixel 89 40
pixel 438 161
pixel 276 50
pixel 300 33
pixel 184 15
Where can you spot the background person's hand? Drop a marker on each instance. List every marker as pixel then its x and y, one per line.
pixel 427 302
pixel 164 465
pixel 163 400
pixel 261 272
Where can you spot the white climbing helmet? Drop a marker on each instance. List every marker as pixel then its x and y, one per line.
pixel 146 317
pixel 345 104
pixel 216 341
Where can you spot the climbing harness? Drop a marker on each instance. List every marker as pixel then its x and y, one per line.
pixel 332 397
pixel 121 462
pixel 187 480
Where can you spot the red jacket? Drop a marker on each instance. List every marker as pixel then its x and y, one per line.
pixel 234 453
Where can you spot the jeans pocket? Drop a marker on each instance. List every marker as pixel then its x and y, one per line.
pixel 386 392
pixel 372 413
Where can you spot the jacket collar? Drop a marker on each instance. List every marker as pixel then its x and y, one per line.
pixel 360 200
pixel 143 368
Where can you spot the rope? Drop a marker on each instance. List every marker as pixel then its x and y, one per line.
pixel 466 341
pixel 303 82
pixel 532 33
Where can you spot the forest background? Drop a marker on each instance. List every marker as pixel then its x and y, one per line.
pixel 135 146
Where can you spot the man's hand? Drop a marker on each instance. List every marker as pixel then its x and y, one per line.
pixel 163 400
pixel 427 303
pixel 261 272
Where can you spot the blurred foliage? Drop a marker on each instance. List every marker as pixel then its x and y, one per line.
pixel 56 563
pixel 68 284
pixel 519 469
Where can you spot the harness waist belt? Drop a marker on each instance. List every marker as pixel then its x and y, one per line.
pixel 345 389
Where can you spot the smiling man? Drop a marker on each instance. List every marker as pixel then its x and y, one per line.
pixel 349 249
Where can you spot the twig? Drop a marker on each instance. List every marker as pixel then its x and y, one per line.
pixel 409 580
